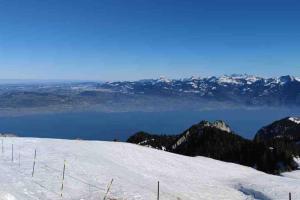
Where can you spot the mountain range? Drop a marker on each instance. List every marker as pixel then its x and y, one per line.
pixel 242 89
pixel 194 93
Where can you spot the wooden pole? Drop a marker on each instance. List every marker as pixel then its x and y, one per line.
pixel 158 190
pixel 12 152
pixel 63 178
pixel 108 188
pixel 33 163
pixel 290 196
pixel 19 160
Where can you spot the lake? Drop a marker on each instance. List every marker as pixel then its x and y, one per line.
pixel 108 126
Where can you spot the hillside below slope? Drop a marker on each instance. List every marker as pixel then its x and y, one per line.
pixel 288 128
pixel 216 140
pixel 135 170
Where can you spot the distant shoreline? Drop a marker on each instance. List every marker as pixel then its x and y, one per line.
pixel 17 112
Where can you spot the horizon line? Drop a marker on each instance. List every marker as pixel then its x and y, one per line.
pixel 50 80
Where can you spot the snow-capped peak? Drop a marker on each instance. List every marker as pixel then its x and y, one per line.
pixel 163 79
pixel 252 79
pixel 237 79
pixel 194 78
pixel 295 119
pixel 285 79
pixel 228 80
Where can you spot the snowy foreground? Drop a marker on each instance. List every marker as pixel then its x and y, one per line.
pixel 135 170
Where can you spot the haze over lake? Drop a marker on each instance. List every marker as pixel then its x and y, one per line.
pixel 109 126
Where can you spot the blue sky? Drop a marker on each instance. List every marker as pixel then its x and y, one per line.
pixel 136 39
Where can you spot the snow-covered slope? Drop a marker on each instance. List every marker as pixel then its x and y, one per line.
pixel 90 166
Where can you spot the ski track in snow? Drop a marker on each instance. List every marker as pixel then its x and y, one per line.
pixel 135 170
